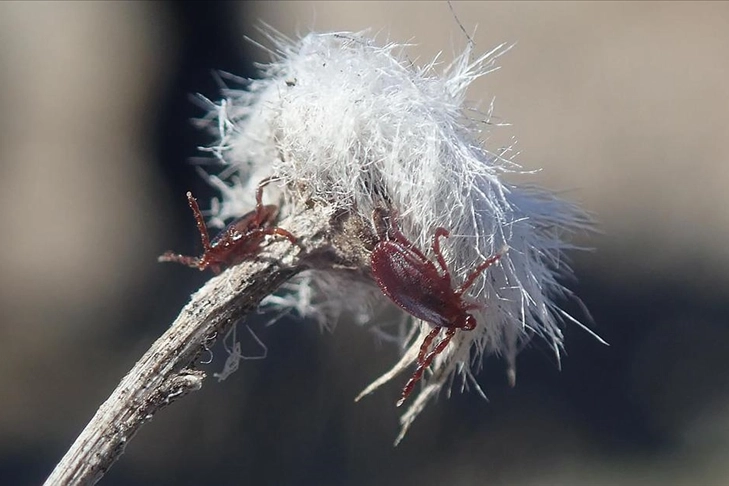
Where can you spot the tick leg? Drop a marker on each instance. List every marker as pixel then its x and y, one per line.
pixel 201 263
pixel 260 218
pixel 379 220
pixel 193 262
pixel 440 232
pixel 479 269
pixel 276 232
pixel 450 332
pixel 426 343
pixel 201 227
pixel 424 364
pixel 402 239
pixel 390 231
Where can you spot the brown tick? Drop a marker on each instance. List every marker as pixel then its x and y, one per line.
pixel 239 241
pixel 419 287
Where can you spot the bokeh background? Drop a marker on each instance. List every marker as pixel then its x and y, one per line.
pixel 624 105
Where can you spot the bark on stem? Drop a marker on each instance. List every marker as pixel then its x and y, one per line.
pixel 167 370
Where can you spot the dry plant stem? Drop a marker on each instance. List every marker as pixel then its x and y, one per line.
pixel 167 371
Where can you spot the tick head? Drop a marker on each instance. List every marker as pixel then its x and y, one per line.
pixel 468 322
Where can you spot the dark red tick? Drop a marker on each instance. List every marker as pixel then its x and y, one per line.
pixel 419 287
pixel 239 241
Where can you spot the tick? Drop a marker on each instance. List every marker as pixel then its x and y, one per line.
pixel 422 288
pixel 239 241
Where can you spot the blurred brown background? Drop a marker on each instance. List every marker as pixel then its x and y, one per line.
pixel 624 105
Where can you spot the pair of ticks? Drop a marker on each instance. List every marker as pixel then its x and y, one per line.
pixel 405 275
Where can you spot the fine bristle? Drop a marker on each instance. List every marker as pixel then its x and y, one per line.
pixel 343 120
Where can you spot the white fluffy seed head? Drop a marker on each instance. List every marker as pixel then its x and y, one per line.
pixel 357 125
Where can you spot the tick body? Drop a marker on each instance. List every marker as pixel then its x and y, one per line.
pixel 239 241
pixel 422 288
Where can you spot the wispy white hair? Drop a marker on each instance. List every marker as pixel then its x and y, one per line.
pixel 345 121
